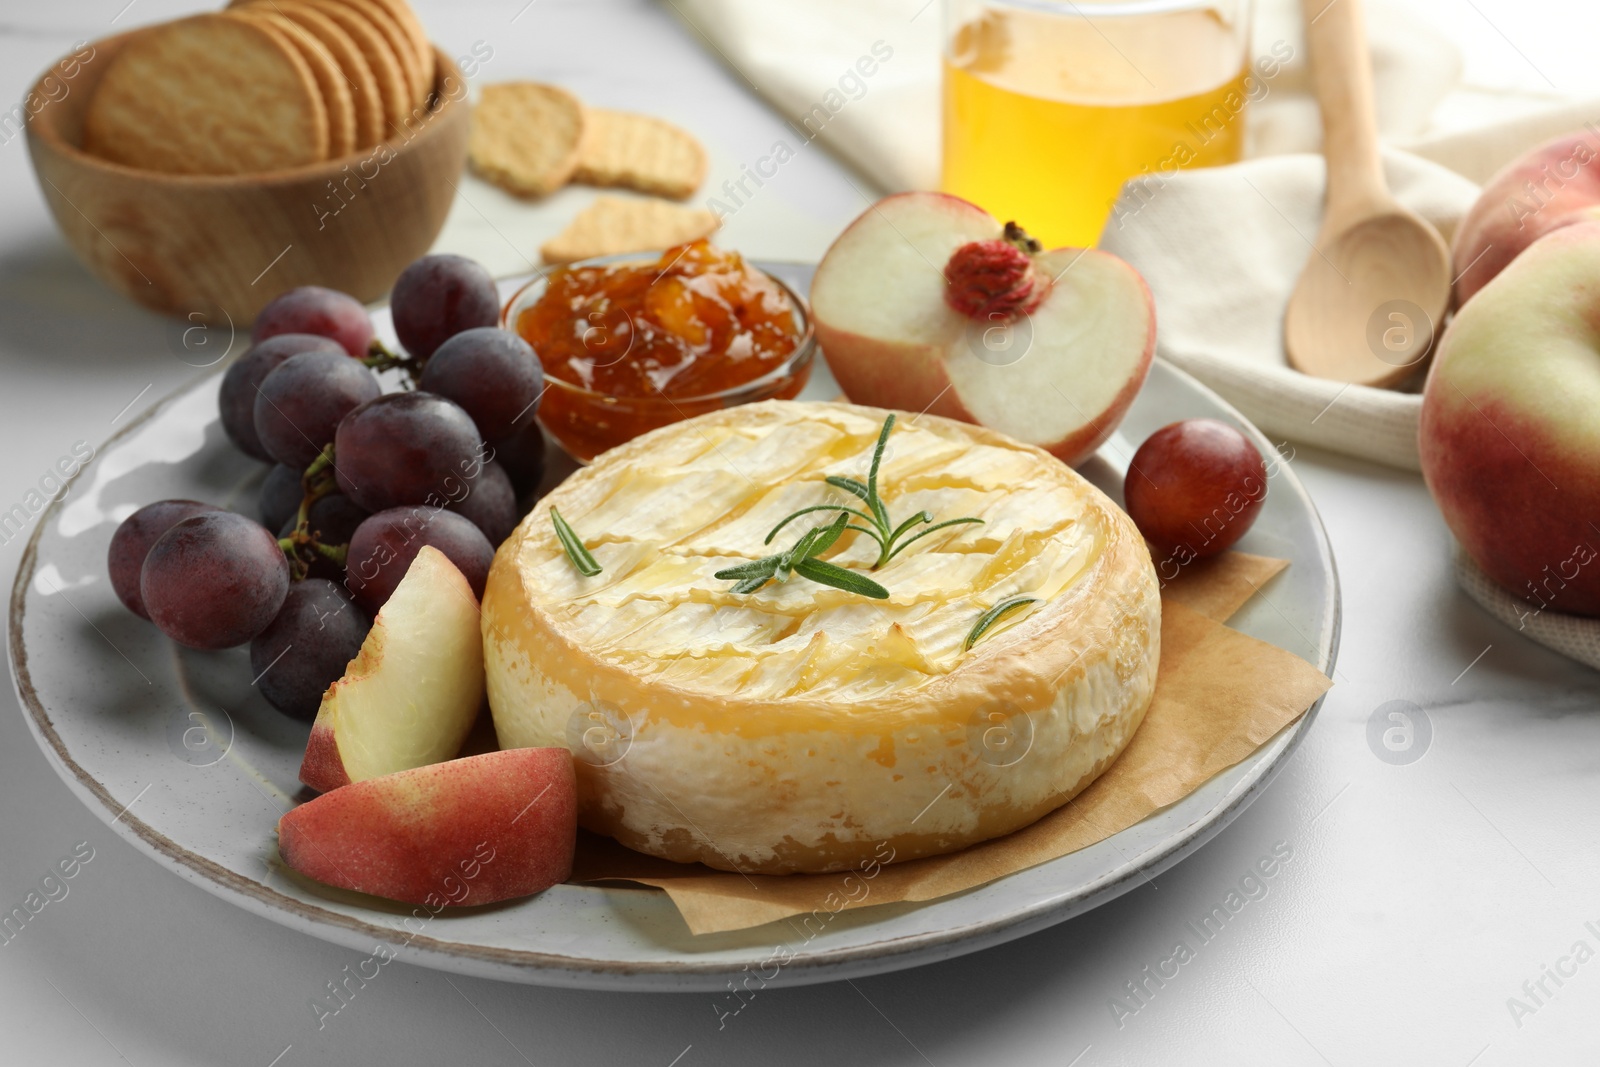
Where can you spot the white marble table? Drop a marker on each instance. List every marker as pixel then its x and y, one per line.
pixel 1418 899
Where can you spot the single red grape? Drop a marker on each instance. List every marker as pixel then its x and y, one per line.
pixel 385 544
pixel 214 580
pixel 307 647
pixel 439 296
pixel 236 400
pixel 313 309
pixel 1195 487
pixel 491 503
pixel 132 541
pixel 491 373
pixel 405 448
pixel 300 404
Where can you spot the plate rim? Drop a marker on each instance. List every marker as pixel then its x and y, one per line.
pixel 549 968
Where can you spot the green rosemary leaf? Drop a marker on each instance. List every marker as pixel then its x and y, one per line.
pixel 849 485
pixel 874 501
pixel 797 551
pixel 824 573
pixel 882 512
pixel 992 616
pixel 877 454
pixel 829 535
pixel 751 584
pixel 807 511
pixel 573 544
pixel 921 516
pixel 815 542
pixel 924 533
pixel 763 566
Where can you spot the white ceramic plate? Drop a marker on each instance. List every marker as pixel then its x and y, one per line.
pixel 178 753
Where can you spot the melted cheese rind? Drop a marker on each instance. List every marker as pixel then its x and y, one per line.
pixel 802 727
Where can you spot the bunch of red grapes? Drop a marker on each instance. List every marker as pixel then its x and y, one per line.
pixel 362 479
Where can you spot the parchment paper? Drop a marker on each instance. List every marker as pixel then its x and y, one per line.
pixel 1219 696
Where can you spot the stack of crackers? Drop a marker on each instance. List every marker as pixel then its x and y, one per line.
pixel 532 139
pixel 263 86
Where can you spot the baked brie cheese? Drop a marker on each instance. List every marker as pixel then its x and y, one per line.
pixel 803 727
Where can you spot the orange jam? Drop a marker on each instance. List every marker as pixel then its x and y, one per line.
pixel 658 341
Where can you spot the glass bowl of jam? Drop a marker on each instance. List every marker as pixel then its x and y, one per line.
pixel 631 343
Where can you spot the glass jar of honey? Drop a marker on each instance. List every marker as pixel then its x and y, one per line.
pixel 1050 106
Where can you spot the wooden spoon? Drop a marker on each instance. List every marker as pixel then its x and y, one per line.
pixel 1370 299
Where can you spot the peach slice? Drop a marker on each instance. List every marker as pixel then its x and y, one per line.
pixel 468 831
pixel 409 697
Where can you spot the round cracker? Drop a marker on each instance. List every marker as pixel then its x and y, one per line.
pixel 208 94
pixel 639 152
pixel 358 76
pixel 399 43
pixel 325 69
pixel 393 89
pixel 408 21
pixel 525 137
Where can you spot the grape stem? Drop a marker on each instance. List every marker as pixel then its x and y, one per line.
pixel 317 482
pixel 380 357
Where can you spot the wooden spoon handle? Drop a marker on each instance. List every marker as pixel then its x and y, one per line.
pixel 1342 71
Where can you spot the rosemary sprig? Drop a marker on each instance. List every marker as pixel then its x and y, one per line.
pixel 801 558
pixel 891 539
pixel 580 556
pixel 992 616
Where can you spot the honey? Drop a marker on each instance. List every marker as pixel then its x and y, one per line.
pixel 1047 114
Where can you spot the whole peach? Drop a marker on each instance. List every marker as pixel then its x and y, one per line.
pixel 1554 185
pixel 1509 440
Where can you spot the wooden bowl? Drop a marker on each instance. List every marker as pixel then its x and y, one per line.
pixel 197 245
